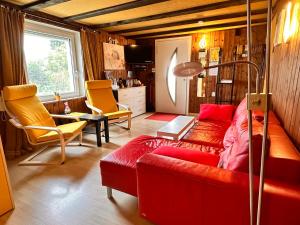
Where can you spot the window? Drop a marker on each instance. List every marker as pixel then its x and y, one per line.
pixel 171 79
pixel 52 61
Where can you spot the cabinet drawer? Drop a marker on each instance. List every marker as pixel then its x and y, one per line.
pixel 123 95
pixel 131 92
pixel 140 91
pixel 135 98
pixel 138 101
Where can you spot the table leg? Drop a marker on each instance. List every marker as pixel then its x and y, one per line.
pixel 106 130
pixel 98 133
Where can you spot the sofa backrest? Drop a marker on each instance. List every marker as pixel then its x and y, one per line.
pixel 283 159
pixel 283 162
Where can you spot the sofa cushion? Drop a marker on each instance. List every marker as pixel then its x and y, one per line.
pixel 207 132
pixel 236 147
pixel 202 148
pixel 188 155
pixel 216 112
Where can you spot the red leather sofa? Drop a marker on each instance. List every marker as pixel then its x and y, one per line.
pixel 203 178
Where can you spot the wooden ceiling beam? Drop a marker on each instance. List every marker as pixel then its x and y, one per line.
pixel 196 29
pixel 44 17
pixel 192 21
pixel 197 9
pixel 112 9
pixel 36 5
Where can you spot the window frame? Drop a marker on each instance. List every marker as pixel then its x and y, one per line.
pixel 76 55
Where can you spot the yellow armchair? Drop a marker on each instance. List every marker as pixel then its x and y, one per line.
pixel 101 101
pixel 28 113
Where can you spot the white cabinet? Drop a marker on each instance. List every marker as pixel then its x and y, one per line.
pixel 135 97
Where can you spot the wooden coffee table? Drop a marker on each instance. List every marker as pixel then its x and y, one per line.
pixel 176 128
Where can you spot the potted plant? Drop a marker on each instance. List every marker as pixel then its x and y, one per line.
pixel 57 96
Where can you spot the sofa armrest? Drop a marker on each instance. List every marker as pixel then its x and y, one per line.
pixel 174 191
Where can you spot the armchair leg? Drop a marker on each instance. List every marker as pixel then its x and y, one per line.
pixel 63 154
pixel 109 192
pixel 30 162
pixel 80 138
pixel 129 122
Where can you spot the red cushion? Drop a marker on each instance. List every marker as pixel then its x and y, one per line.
pixel 188 155
pixel 216 112
pixel 236 144
pixel 240 110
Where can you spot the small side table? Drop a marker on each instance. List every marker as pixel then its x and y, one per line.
pixel 97 119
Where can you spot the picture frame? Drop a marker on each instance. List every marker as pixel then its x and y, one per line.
pixel 114 57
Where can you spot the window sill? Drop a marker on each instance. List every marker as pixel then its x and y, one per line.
pixel 62 100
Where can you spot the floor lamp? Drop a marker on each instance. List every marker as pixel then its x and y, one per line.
pixel 255 100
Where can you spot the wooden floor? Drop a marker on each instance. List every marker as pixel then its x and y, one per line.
pixel 71 194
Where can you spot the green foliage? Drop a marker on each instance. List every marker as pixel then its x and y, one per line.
pixel 51 74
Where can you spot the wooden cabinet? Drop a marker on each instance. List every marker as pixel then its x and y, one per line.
pixel 6 201
pixel 135 97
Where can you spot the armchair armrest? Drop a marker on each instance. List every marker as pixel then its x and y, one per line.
pixel 93 108
pixel 43 128
pixel 16 123
pixel 127 107
pixel 192 193
pixel 20 126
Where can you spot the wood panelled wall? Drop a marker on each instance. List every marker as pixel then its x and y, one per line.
pixel 121 41
pixel 58 107
pixel 227 40
pixel 285 81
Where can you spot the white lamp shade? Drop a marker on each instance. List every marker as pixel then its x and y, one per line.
pixel 188 69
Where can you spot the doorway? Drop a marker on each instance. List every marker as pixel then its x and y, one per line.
pixel 172 93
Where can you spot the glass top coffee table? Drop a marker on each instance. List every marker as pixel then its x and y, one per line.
pixel 177 127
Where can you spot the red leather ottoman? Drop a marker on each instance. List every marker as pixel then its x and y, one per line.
pixel 118 169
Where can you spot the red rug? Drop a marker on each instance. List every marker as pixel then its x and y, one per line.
pixel 162 116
